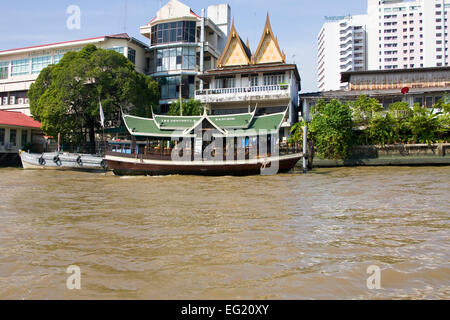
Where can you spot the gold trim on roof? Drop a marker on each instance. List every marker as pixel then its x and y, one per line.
pixel 234 37
pixel 268 42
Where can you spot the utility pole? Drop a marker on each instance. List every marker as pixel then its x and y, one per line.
pixel 305 149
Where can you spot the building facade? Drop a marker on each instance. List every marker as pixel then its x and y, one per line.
pixel 19 68
pixel 399 35
pixel 244 81
pixel 425 86
pixel 17 131
pixel 342 47
pixel 408 34
pixel 182 46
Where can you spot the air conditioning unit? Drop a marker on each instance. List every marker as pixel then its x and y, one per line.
pixel 12 100
pixel 5 100
pixel 21 100
pixel 27 101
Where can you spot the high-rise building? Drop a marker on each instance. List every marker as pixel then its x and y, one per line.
pixel 407 34
pixel 342 47
pixel 183 45
pixel 399 35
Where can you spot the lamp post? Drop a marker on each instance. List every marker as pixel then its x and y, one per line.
pixel 181 93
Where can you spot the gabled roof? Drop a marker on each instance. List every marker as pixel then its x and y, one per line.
pixel 124 36
pixel 268 50
pixel 174 9
pixel 226 125
pixel 18 119
pixel 235 52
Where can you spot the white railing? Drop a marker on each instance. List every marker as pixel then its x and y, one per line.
pixel 270 88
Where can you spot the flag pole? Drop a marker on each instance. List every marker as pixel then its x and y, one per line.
pixel 102 122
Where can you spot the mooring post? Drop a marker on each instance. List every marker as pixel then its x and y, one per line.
pixel 305 149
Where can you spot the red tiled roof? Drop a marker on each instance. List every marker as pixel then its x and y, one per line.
pixel 119 36
pixel 19 119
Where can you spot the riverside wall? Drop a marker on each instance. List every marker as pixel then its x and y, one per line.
pixel 391 155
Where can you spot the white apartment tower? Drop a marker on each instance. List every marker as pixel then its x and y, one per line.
pixel 399 34
pixel 342 48
pixel 407 34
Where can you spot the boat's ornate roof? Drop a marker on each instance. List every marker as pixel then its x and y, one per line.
pixel 244 124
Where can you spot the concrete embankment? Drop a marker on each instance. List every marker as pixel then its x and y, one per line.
pixel 391 155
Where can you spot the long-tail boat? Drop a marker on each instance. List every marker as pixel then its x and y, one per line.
pixel 237 144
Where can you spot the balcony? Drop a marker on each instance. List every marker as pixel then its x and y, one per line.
pixel 271 92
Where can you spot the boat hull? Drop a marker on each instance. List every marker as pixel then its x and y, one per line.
pixel 123 166
pixel 76 162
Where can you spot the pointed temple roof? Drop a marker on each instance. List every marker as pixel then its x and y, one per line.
pixel 268 50
pixel 244 124
pixel 236 52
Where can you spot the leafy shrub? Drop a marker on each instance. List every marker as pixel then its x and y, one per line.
pixel 332 129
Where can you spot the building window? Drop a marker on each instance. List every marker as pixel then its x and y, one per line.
pixel 132 55
pixel 181 31
pixel 4 69
pixel 273 79
pixel 253 81
pixel 182 58
pixel 24 140
pixel 39 63
pixel 2 136
pixel 12 137
pixel 170 87
pixel 20 67
pixel 57 58
pixel 120 50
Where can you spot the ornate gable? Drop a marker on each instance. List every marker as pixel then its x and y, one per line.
pixel 268 49
pixel 236 53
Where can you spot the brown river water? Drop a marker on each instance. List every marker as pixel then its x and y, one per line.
pixel 274 237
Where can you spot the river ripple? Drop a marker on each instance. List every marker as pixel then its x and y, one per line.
pixel 281 237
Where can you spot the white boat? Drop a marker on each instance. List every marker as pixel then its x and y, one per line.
pixel 63 161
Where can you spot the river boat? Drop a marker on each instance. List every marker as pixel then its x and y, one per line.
pixel 220 145
pixel 63 161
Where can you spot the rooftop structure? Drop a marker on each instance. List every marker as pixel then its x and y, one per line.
pixel 244 80
pixel 20 67
pixel 183 45
pixel 425 86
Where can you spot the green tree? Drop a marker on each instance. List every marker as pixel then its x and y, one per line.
pixel 332 129
pixel 381 130
pixel 191 107
pixel 400 114
pixel 425 125
pixel 65 97
pixel 444 103
pixel 364 109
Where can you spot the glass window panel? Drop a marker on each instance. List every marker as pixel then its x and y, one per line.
pixel 12 137
pixel 24 138
pixel 57 58
pixel 20 67
pixel 4 69
pixel 40 63
pixel 191 62
pixel 185 64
